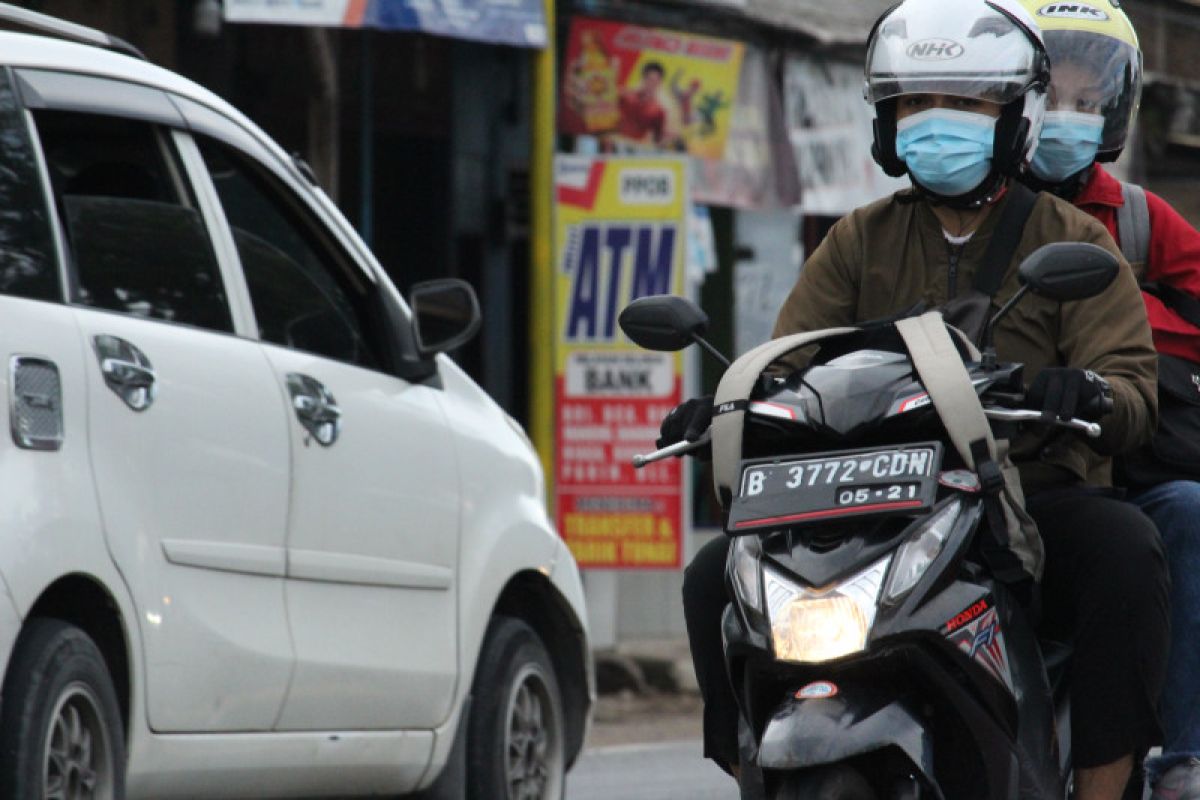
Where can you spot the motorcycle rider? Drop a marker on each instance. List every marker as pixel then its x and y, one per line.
pixel 959 92
pixel 1095 81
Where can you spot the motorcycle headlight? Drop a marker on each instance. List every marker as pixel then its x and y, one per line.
pixel 743 570
pixel 810 626
pixel 923 547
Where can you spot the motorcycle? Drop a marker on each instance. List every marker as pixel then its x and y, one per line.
pixel 873 649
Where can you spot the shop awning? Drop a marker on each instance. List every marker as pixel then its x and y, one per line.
pixel 514 22
pixel 845 22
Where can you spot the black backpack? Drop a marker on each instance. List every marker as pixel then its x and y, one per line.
pixel 1174 452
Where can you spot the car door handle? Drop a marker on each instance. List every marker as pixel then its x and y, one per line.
pixel 315 408
pixel 127 374
pixel 126 371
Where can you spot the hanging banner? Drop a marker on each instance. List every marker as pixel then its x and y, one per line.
pixel 621 233
pixel 757 169
pixel 649 88
pixel 830 128
pixel 516 22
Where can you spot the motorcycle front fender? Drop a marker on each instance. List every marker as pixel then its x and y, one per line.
pixel 805 733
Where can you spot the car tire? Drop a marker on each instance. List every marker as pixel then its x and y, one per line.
pixel 515 743
pixel 60 723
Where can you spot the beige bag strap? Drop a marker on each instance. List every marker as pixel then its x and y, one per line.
pixel 729 404
pixel 941 369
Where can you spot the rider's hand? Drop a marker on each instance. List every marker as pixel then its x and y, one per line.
pixel 688 420
pixel 1066 392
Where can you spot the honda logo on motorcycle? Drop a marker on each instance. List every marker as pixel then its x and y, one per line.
pixel 935 50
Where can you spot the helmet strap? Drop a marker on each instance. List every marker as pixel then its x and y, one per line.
pixel 883 149
pixel 1068 189
pixel 987 192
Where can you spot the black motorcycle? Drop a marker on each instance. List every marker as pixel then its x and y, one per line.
pixel 875 652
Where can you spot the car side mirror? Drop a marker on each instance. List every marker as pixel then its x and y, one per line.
pixel 663 322
pixel 445 315
pixel 1069 270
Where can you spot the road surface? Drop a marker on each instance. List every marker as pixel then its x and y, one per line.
pixel 648 771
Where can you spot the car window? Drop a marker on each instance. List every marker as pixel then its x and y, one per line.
pixel 28 267
pixel 137 242
pixel 305 295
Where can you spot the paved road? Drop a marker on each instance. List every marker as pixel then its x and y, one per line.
pixel 648 771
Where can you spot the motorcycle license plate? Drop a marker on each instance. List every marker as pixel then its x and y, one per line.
pixel 827 486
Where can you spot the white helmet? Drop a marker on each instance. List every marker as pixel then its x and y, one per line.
pixel 983 49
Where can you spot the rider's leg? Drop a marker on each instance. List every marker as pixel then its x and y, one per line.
pixel 1106 782
pixel 1105 591
pixel 1175 509
pixel 704 601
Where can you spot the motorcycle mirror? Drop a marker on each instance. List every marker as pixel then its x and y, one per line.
pixel 666 322
pixel 1069 270
pixel 1061 271
pixel 663 322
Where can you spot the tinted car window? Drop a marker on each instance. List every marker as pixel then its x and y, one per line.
pixel 304 295
pixel 137 243
pixel 27 264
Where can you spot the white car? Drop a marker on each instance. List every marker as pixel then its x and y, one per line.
pixel 262 539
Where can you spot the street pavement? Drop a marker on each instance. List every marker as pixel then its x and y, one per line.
pixel 647 747
pixel 648 771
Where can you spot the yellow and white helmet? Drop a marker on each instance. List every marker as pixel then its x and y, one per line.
pixel 1095 64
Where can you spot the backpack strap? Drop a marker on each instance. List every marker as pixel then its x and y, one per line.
pixel 730 403
pixel 1133 223
pixel 1005 239
pixel 1182 303
pixel 941 369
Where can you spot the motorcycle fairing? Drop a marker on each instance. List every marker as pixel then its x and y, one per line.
pixel 982 639
pixel 812 732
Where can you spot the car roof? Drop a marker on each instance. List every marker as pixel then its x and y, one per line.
pixel 43 52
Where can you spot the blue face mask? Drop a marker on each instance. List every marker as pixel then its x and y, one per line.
pixel 948 152
pixel 1068 144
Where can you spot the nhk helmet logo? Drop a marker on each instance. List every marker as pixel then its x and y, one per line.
pixel 935 50
pixel 1072 11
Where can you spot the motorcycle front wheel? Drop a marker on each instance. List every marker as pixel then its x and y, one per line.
pixel 837 782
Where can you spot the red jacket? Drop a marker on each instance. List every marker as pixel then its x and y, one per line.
pixel 1173 258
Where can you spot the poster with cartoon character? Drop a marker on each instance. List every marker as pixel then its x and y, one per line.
pixel 634 87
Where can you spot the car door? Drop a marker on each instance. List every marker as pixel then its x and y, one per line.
pixel 189 447
pixel 373 523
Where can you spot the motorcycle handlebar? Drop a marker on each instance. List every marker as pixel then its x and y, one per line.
pixel 1092 429
pixel 678 449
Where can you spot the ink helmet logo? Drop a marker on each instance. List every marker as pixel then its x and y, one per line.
pixel 935 50
pixel 1072 11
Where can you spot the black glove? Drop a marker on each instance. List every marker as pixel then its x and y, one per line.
pixel 688 420
pixel 1066 392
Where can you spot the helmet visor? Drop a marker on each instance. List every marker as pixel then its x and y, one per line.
pixel 1091 73
pixel 930 48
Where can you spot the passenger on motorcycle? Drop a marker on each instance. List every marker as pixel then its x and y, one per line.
pixel 1096 78
pixel 959 89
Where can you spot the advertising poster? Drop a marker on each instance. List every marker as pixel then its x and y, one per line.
pixel 757 170
pixel 621 233
pixel 515 22
pixel 650 88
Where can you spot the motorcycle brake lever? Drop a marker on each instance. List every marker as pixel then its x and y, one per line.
pixel 678 449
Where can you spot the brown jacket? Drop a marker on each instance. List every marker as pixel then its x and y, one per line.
pixel 886 257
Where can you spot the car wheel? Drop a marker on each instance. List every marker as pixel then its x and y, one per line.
pixel 515 735
pixel 61 736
